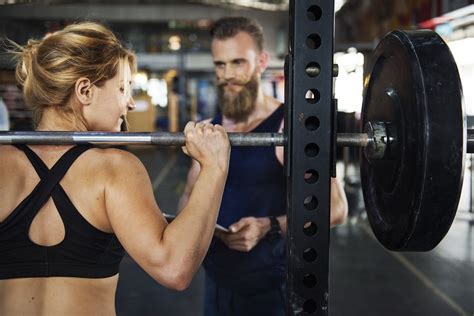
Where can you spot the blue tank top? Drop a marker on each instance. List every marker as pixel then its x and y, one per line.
pixel 85 251
pixel 256 186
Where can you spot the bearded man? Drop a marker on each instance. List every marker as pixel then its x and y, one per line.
pixel 246 268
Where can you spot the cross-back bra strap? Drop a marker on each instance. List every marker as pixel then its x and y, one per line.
pixel 63 164
pixel 36 161
pixel 51 178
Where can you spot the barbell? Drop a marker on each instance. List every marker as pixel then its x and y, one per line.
pixel 414 139
pixel 369 140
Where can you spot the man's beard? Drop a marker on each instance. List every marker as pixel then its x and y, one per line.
pixel 238 106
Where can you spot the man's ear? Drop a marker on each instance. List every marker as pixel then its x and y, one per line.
pixel 263 61
pixel 83 90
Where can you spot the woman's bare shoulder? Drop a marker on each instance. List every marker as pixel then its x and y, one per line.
pixel 8 149
pixel 114 157
pixel 9 154
pixel 113 160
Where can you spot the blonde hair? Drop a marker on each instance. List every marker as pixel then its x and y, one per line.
pixel 48 69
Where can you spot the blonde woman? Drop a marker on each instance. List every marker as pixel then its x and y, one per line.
pixel 68 213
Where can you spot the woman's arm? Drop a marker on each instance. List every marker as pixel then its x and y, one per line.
pixel 172 253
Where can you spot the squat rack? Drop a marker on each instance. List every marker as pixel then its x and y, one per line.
pixel 310 153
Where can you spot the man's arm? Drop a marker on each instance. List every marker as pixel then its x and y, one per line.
pixel 339 208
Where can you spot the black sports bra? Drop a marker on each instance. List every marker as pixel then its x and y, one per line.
pixel 84 252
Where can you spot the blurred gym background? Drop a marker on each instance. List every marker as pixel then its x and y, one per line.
pixel 175 84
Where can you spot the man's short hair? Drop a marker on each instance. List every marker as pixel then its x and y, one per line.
pixel 228 27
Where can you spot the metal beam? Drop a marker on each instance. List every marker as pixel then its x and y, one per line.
pixel 309 151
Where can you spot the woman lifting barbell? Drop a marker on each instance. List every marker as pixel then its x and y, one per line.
pixel 67 214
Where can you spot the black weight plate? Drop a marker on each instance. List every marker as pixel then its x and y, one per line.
pixel 411 197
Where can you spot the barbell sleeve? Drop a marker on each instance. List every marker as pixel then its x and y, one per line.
pixel 352 139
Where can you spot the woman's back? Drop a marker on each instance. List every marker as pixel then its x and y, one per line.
pixel 57 296
pixel 84 184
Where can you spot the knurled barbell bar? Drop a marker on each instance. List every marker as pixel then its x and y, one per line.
pixel 127 138
pixel 160 138
pixel 414 140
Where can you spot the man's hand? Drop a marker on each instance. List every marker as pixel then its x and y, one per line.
pixel 246 233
